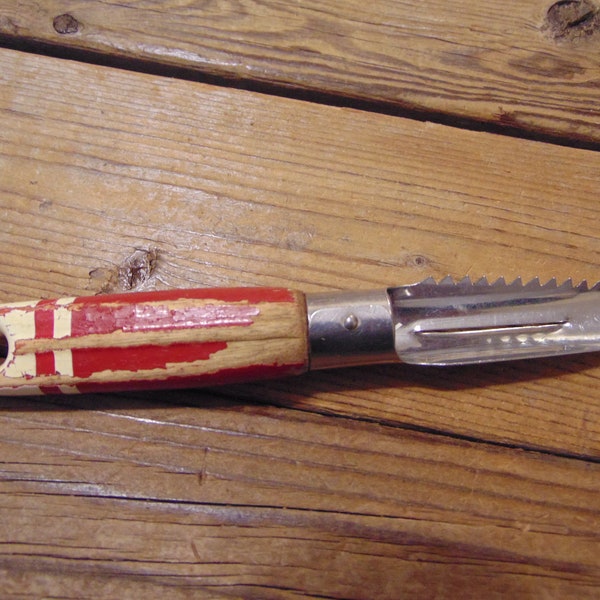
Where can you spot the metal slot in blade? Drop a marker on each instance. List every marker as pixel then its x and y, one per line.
pixel 542 328
pixel 478 344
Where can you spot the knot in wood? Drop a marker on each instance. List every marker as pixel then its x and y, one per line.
pixel 66 24
pixel 572 19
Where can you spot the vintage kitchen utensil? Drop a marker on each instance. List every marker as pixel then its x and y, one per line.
pixel 196 337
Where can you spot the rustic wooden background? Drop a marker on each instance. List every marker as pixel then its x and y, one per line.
pixel 319 145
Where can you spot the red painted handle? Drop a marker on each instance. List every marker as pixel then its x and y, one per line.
pixel 181 338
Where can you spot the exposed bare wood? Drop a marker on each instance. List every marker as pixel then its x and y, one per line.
pixel 527 65
pixel 273 504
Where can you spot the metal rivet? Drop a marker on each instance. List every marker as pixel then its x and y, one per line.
pixel 351 322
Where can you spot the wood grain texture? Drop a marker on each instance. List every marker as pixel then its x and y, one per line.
pixel 531 66
pixel 274 503
pixel 112 181
pixel 231 188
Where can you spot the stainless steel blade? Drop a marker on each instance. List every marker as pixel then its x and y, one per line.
pixel 466 322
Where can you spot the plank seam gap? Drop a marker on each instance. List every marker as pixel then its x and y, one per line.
pixel 289 91
pixel 418 429
pixel 81 402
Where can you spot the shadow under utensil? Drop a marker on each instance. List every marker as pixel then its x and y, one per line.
pixel 403 376
pixel 123 401
pixel 298 390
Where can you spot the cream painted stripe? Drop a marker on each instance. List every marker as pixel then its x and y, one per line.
pixel 68 389
pixel 63 362
pixel 25 304
pixel 24 390
pixel 19 324
pixel 63 359
pixel 62 318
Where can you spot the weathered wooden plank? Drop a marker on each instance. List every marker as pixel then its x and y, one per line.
pixel 273 503
pixel 526 65
pixel 222 187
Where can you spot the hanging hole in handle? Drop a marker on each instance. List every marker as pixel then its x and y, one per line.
pixel 3 348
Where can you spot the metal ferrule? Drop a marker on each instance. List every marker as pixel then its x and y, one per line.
pixel 350 328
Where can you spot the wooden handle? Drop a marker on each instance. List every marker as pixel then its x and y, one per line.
pixel 181 338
